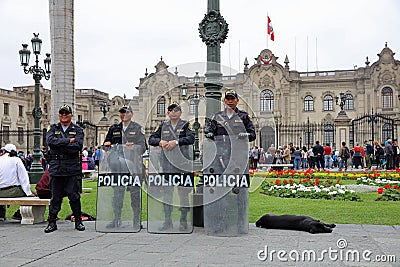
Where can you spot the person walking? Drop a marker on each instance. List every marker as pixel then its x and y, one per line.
pixel 65 140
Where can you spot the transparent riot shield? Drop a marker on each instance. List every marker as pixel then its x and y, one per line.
pixel 226 183
pixel 119 189
pixel 170 184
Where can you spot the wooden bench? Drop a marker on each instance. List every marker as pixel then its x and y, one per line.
pixel 268 166
pixel 32 208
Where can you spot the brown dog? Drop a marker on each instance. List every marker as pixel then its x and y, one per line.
pixel 294 222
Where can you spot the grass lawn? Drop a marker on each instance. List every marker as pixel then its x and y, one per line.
pixel 368 211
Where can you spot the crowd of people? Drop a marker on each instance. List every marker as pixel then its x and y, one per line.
pixel 384 156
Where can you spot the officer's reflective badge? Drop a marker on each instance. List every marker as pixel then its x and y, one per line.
pixel 133 133
pixel 180 130
pixel 116 133
pixel 190 127
pixel 226 123
pixel 72 132
pixel 142 130
pixel 166 132
pixel 238 120
pixel 48 128
pixel 156 129
pixel 57 132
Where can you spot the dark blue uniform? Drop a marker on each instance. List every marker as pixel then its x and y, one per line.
pixel 229 133
pixel 117 162
pixel 240 122
pixel 175 161
pixel 65 167
pixel 181 133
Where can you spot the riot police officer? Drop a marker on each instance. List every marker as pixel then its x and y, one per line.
pixel 65 140
pixel 129 139
pixel 174 137
pixel 230 128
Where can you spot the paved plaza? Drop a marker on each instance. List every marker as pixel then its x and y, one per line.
pixel 347 245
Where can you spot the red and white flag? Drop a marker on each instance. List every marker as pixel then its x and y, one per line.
pixel 270 30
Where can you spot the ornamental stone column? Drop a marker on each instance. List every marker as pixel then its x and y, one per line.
pixel 213 31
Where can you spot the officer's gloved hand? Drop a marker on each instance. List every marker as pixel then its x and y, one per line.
pixel 243 135
pixel 209 135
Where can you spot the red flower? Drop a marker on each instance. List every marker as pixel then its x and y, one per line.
pixel 328 171
pixel 317 182
pixel 284 181
pixel 329 182
pixel 277 182
pixel 380 190
pixel 291 181
pixel 387 186
pixel 251 172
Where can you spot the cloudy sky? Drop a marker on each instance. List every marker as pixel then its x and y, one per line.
pixel 115 41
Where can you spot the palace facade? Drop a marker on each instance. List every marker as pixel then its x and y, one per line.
pixel 286 105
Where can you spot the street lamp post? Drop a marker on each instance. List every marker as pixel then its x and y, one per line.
pixel 195 99
pixel 36 170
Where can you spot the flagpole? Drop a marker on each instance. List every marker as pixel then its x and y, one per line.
pixel 295 53
pixel 267 29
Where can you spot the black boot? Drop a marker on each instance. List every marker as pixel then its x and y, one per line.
pixel 183 226
pixel 2 213
pixel 114 223
pixel 167 225
pixel 78 221
pixel 79 225
pixel 52 226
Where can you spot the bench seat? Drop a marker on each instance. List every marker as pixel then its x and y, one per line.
pixel 32 208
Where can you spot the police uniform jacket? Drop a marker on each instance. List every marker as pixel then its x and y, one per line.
pixel 182 133
pixel 132 134
pixel 65 157
pixel 240 122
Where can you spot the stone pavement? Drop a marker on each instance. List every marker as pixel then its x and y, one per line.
pixel 28 245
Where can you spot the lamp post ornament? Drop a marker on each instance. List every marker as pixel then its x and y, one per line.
pixel 36 170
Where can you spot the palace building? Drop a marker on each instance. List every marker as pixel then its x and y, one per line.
pixel 286 105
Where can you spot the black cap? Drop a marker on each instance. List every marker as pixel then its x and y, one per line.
pixel 231 93
pixel 65 107
pixel 174 105
pixel 125 108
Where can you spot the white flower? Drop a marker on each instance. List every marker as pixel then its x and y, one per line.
pixel 294 191
pixel 341 191
pixel 332 193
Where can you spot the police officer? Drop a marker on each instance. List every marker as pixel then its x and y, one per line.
pixel 65 140
pixel 174 137
pixel 130 143
pixel 224 127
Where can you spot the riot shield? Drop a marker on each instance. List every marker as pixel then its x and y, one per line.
pixel 170 184
pixel 226 183
pixel 119 189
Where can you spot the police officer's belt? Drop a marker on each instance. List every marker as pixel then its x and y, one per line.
pixel 51 157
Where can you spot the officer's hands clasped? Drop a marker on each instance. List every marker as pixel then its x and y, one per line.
pixel 243 135
pixel 209 135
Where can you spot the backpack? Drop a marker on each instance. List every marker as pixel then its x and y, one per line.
pixel 346 152
pixel 380 151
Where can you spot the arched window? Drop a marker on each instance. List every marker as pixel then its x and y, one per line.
pixel 349 104
pixel 328 134
pixel 308 103
pixel 387 131
pixel 328 103
pixel 267 100
pixel 387 97
pixel 161 106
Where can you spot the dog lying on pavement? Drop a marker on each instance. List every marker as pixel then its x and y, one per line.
pixel 294 222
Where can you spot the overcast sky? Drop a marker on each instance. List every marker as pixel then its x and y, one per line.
pixel 116 40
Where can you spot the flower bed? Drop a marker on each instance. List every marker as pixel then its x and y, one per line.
pixel 389 193
pixel 309 189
